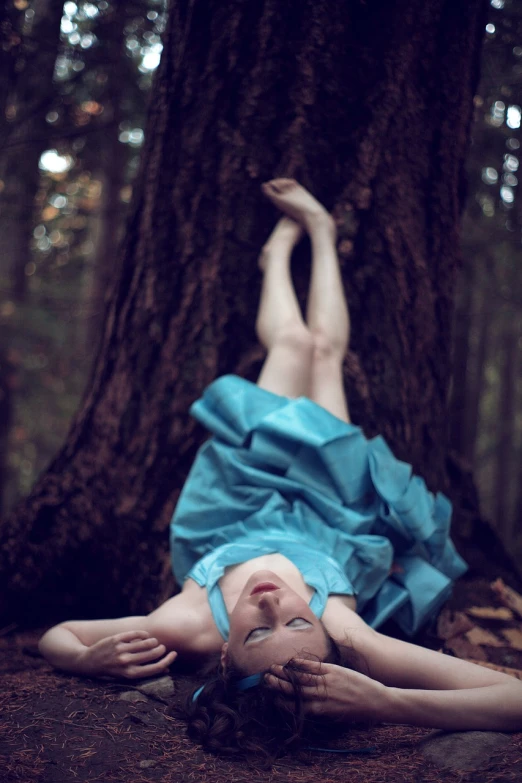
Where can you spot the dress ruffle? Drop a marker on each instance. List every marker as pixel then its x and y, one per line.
pixel 280 465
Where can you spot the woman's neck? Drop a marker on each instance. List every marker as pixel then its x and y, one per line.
pixel 235 577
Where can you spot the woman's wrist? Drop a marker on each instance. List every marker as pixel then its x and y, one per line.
pixel 394 706
pixel 417 707
pixel 81 661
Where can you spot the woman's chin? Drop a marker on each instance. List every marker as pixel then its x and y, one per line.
pixel 264 575
pixel 263 572
pixel 260 577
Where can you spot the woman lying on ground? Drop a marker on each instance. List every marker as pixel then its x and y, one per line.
pixel 288 513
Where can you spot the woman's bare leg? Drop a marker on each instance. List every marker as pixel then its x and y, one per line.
pixel 327 311
pixel 328 319
pixel 279 324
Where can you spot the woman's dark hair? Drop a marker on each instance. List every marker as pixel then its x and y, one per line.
pixel 258 723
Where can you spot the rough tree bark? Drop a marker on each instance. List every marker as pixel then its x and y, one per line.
pixel 369 105
pixel 462 382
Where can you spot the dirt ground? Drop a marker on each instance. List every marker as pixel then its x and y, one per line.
pixel 58 728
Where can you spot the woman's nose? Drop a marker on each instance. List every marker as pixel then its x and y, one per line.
pixel 268 601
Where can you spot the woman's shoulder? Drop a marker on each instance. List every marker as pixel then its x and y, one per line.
pixel 340 618
pixel 185 623
pixel 348 601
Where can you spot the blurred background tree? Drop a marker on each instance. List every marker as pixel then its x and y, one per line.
pixel 74 87
pixel 486 402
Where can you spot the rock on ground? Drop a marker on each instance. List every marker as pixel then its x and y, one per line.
pixel 464 749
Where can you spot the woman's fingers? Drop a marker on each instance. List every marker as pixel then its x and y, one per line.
pixel 309 684
pixel 312 677
pixel 308 693
pixel 144 656
pixel 315 667
pixel 312 683
pixel 130 636
pixel 279 684
pixel 149 670
pixel 137 645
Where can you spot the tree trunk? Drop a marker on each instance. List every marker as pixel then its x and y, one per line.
pixel 109 159
pixel 516 531
pixel 368 106
pixel 6 407
pixel 10 51
pixel 460 394
pixel 474 534
pixel 479 369
pixel 506 424
pixel 26 136
pixel 108 237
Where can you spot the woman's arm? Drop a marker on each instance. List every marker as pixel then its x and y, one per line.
pixel 427 688
pixel 120 647
pixel 140 646
pixel 399 664
pixel 495 707
pixel 346 695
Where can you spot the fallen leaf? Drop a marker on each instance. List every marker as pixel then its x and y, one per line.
pixel 481 636
pixel 452 624
pixel 505 669
pixel 465 649
pixel 490 612
pixel 514 636
pixel 508 596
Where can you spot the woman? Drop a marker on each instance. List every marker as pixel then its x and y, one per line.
pixel 289 513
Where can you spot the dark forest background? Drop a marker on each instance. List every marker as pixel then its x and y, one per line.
pixel 75 80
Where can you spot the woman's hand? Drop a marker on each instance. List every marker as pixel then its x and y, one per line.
pixel 333 691
pixel 133 654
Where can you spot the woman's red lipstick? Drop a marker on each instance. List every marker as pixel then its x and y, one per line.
pixel 264 587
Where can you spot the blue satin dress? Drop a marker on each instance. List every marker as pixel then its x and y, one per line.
pixel 285 475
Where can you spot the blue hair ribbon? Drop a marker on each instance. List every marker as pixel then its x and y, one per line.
pixel 242 685
pixel 249 682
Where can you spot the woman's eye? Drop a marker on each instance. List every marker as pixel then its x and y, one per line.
pixel 296 622
pixel 253 634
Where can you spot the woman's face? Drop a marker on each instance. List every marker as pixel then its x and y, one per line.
pixel 271 623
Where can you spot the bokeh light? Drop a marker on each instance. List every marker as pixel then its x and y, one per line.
pixel 51 160
pixel 489 175
pixel 513 117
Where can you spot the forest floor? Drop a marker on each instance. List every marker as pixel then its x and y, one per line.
pixel 57 728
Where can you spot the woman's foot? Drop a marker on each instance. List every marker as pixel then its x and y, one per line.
pixel 293 199
pixel 285 236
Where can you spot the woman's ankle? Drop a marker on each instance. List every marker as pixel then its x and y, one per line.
pixel 321 223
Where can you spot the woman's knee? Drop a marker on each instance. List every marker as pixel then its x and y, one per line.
pixel 328 348
pixel 297 338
